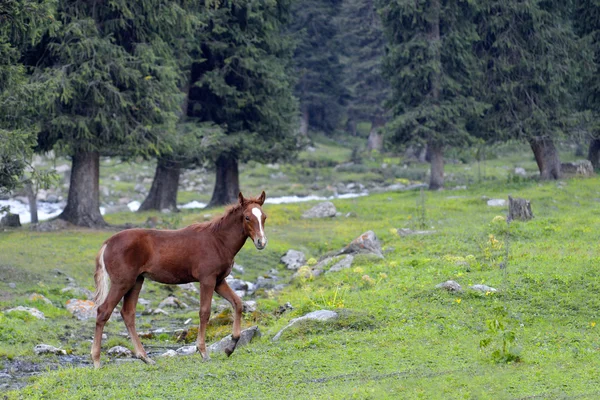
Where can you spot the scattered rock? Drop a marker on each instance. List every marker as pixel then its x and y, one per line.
pixel 119 351
pixel 10 221
pixel 190 287
pixel 156 311
pixel 577 168
pixel 344 263
pixel 169 353
pixel 483 288
pixel 321 210
pixel 246 337
pixel 249 306
pixel 186 350
pixel 39 297
pixel 12 285
pixel 238 268
pixel 293 259
pixel 238 284
pixel 47 349
pixel 520 171
pixel 496 202
pixel 282 309
pixel 351 214
pixel 263 282
pixel 408 232
pixel 172 302
pixel 81 309
pixel 320 315
pixel 78 291
pixel 365 243
pixel 30 310
pixel 450 286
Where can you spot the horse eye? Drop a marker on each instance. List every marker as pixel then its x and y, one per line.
pixel 247 218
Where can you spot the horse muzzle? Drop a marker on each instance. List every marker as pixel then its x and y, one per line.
pixel 260 243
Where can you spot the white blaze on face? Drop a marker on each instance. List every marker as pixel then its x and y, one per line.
pixel 258 214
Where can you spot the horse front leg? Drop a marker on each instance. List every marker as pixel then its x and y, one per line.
pixel 206 292
pixel 225 291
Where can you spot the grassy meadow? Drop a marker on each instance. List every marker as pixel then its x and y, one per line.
pixel 397 335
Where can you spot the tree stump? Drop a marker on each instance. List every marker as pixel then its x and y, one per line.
pixel 519 209
pixel 11 220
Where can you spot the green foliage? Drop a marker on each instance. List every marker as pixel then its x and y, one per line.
pixel 501 340
pixel 317 62
pixel 432 70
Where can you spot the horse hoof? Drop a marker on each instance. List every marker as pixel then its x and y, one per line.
pixel 205 358
pixel 228 351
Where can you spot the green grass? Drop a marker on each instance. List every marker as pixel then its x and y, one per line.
pixel 397 337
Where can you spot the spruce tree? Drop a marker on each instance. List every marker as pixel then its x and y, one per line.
pixel 531 69
pixel 361 40
pixel 317 63
pixel 244 85
pixel 117 93
pixel 22 23
pixel 432 69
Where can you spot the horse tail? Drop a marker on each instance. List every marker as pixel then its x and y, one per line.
pixel 102 279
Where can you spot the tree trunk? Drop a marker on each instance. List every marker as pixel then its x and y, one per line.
pixel 351 127
pixel 304 121
pixel 163 193
pixel 436 153
pixel 31 196
pixel 83 203
pixel 546 158
pixel 375 141
pixel 594 153
pixel 227 185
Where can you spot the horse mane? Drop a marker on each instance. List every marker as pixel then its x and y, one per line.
pixel 214 225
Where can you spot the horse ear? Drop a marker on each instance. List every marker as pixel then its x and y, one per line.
pixel 261 198
pixel 241 198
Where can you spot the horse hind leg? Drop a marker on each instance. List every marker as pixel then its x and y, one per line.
pixel 104 311
pixel 128 313
pixel 225 291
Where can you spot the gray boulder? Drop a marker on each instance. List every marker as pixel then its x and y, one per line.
pixel 293 259
pixel 119 351
pixel 172 302
pixel 320 315
pixel 321 210
pixel 483 288
pixel 81 309
pixel 367 243
pixel 345 262
pixel 577 168
pixel 450 286
pixel 246 337
pixel 47 349
pixel 30 310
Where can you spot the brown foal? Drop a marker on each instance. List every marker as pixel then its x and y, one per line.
pixel 198 253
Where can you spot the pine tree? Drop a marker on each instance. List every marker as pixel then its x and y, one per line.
pixel 361 39
pixel 432 69
pixel 243 84
pixel 118 89
pixel 22 23
pixel 317 62
pixel 532 67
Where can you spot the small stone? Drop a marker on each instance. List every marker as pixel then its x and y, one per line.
pixel 81 309
pixel 321 210
pixel 187 321
pixel 190 287
pixel 408 232
pixel 293 259
pixel 496 202
pixel 30 310
pixel 320 315
pixel 186 350
pixel 249 306
pixel 119 351
pixel 172 302
pixel 246 337
pixel 450 286
pixel 520 171
pixel 39 297
pixel 12 285
pixel 483 288
pixel 158 311
pixel 47 349
pixel 365 243
pixel 344 263
pixel 169 353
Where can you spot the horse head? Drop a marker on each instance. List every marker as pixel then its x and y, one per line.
pixel 254 219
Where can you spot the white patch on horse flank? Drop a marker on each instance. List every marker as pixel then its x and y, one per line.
pixel 258 214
